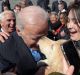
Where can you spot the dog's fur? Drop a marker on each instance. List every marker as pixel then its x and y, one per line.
pixel 54 55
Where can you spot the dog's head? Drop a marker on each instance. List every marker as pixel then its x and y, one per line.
pixel 52 50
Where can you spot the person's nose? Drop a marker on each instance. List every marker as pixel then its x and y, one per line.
pixel 12 22
pixel 70 24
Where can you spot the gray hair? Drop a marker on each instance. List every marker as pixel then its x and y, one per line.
pixel 2 15
pixel 29 12
pixel 54 13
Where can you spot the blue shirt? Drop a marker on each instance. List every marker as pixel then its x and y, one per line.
pixel 36 55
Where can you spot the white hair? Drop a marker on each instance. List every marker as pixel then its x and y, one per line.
pixel 2 15
pixel 54 13
pixel 30 11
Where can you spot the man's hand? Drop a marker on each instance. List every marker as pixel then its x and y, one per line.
pixel 3 36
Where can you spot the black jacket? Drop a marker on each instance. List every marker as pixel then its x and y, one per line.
pixel 15 52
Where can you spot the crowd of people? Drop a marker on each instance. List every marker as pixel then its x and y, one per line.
pixel 23 26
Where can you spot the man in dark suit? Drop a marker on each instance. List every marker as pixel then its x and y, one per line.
pixel 13 52
pixel 17 49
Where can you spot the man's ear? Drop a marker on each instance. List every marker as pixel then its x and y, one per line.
pixel 18 31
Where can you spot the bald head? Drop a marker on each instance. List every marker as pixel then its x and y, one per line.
pixel 32 24
pixel 31 16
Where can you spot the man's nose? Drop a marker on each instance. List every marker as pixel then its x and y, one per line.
pixel 12 22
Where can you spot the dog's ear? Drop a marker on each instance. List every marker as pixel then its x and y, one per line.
pixel 44 39
pixel 62 41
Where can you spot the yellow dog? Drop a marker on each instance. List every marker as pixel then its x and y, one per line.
pixel 54 54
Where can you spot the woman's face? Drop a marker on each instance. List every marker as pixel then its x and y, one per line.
pixel 73 26
pixel 62 19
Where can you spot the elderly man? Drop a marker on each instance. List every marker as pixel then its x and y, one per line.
pixel 7 21
pixel 18 50
pixel 18 54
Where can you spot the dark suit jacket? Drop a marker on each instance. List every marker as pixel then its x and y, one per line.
pixel 15 52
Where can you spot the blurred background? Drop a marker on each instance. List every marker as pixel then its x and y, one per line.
pixel 13 2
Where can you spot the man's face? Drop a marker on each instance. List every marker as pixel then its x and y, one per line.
pixel 17 9
pixel 8 23
pixel 53 19
pixel 73 26
pixel 32 33
pixel 60 7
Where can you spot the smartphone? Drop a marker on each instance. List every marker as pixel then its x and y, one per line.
pixel 71 56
